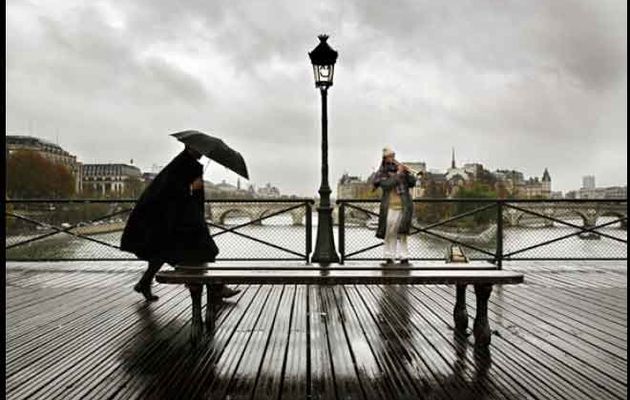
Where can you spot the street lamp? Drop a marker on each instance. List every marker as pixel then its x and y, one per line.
pixel 323 58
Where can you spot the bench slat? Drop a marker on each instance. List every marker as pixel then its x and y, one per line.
pixel 338 277
pixel 448 267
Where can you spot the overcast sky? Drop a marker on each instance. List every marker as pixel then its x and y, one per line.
pixel 511 84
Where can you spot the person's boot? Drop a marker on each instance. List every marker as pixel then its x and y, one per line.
pixel 145 290
pixel 227 292
pixel 405 262
pixel 388 262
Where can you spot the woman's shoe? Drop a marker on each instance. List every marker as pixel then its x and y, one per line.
pixel 145 291
pixel 387 263
pixel 227 292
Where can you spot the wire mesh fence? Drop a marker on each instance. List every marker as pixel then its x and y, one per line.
pixel 584 230
pixel 494 230
pixel 487 229
pixel 56 230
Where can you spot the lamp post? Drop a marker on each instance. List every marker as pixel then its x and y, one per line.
pixel 323 58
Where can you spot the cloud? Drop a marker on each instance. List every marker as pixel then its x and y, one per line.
pixel 523 85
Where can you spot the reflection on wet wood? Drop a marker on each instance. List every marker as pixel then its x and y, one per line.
pixel 78 331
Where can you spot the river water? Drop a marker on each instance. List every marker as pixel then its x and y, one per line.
pixel 280 232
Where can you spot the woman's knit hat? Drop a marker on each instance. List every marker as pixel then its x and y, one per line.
pixel 388 151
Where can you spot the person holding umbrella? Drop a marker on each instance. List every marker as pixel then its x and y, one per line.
pixel 396 207
pixel 167 225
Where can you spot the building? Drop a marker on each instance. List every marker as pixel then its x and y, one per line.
pixel 268 191
pixel 112 179
pixel 49 151
pixel 594 193
pixel 225 187
pixel 546 184
pixel 611 192
pixel 588 182
pixel 474 169
pixel 353 187
pixel 434 185
pixel 511 180
pixel 616 192
pixel 458 178
pixel 535 187
pixel 571 194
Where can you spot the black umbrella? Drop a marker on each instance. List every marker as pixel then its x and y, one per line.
pixel 215 149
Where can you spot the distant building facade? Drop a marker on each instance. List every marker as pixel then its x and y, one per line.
pixel 268 191
pixel 616 192
pixel 588 182
pixel 49 151
pixel 353 187
pixel 111 179
pixel 610 192
pixel 471 176
pixel 519 187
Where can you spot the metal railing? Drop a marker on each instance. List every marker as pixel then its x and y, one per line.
pixel 281 229
pixel 494 230
pixel 90 229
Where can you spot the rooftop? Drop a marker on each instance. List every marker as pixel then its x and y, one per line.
pixel 32 141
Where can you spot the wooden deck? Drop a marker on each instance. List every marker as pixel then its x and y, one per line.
pixel 77 330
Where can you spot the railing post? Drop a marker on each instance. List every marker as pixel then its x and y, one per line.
pixel 499 255
pixel 342 232
pixel 309 231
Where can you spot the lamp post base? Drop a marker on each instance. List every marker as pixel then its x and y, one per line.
pixel 325 252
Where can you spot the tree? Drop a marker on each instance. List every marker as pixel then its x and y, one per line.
pixel 476 191
pixel 30 175
pixel 432 212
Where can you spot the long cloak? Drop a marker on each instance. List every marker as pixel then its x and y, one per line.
pixel 388 183
pixel 167 224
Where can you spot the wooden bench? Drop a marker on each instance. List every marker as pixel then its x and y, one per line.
pixel 483 277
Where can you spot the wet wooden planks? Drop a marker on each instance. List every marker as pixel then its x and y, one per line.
pixel 85 334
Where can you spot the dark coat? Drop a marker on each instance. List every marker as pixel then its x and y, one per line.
pixel 167 223
pixel 387 183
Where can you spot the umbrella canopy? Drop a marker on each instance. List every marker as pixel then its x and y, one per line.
pixel 215 149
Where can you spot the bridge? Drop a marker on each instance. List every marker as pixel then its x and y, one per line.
pixel 527 213
pixel 589 213
pixel 257 212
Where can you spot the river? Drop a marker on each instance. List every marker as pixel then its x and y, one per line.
pixel 280 232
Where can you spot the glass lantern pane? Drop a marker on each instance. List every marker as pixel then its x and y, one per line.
pixel 323 75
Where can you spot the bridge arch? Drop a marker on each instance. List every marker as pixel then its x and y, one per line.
pixel 618 215
pixel 296 216
pixel 268 211
pixel 239 212
pixel 354 215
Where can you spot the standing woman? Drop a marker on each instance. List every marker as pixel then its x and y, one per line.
pixel 396 209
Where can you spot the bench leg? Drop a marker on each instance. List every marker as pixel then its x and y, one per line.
pixel 481 328
pixel 212 295
pixel 460 314
pixel 197 324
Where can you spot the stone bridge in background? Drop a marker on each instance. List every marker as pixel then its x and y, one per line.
pixel 218 212
pixel 588 213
